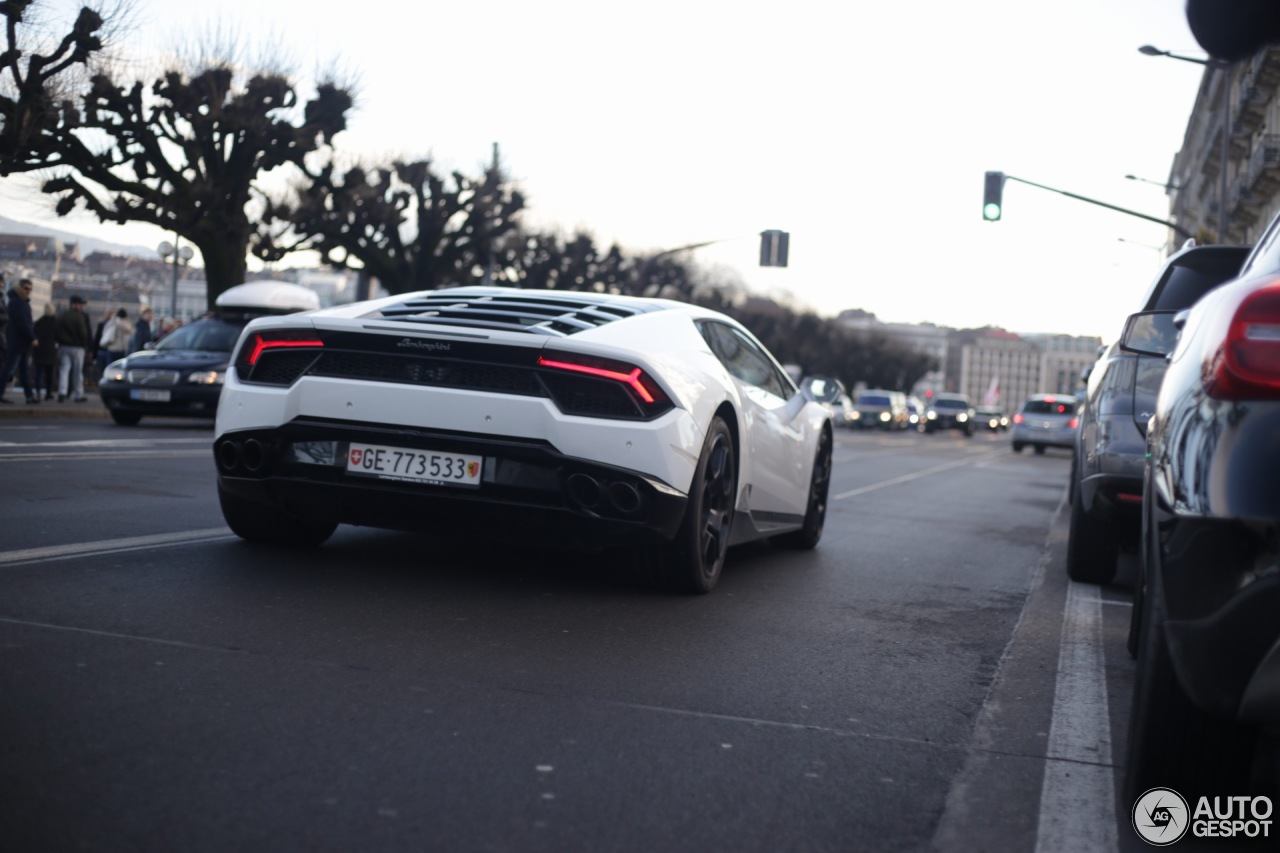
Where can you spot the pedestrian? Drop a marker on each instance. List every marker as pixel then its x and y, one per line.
pixel 74 340
pixel 45 355
pixel 4 317
pixel 97 349
pixel 22 337
pixel 115 338
pixel 141 332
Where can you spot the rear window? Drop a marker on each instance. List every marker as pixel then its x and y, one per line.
pixel 1185 284
pixel 1046 407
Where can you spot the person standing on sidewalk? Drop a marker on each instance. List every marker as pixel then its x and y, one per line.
pixel 45 357
pixel 22 337
pixel 75 337
pixel 4 318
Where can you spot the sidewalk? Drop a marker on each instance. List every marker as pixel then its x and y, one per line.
pixel 91 408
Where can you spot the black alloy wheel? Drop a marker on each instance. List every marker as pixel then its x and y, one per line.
pixel 1173 743
pixel 257 523
pixel 1092 548
pixel 806 538
pixel 693 560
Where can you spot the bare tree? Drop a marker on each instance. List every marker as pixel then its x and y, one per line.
pixel 36 87
pixel 404 224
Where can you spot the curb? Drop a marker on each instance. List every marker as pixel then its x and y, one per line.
pixel 90 410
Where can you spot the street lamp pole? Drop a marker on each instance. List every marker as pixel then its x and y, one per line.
pixel 1225 133
pixel 165 249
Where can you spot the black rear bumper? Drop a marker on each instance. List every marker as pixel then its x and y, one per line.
pixel 529 493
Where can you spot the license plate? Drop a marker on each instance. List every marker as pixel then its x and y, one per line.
pixel 149 395
pixel 414 466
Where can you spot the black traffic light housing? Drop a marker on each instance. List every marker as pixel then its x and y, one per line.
pixel 993 196
pixel 773 248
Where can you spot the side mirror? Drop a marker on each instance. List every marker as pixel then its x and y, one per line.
pixel 1150 333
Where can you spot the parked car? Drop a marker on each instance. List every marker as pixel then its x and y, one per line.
pixel 182 374
pixel 565 419
pixel 877 408
pixel 1106 475
pixel 1045 420
pixel 991 418
pixel 1205 630
pixel 949 411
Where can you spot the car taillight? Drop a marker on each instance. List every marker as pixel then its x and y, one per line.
pixel 596 383
pixel 259 356
pixel 1074 423
pixel 1017 419
pixel 1248 364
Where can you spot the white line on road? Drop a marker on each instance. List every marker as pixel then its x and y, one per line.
pixel 110 546
pixel 108 442
pixel 906 478
pixel 1077 801
pixel 107 454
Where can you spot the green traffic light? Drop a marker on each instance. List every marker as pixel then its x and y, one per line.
pixel 991 212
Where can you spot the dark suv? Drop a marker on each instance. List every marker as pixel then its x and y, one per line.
pixel 1106 478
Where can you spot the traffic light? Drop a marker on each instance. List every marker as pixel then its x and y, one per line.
pixel 993 196
pixel 773 248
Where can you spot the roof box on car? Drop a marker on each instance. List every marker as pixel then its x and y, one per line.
pixel 264 298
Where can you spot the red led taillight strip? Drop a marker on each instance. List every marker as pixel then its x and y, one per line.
pixel 632 379
pixel 261 344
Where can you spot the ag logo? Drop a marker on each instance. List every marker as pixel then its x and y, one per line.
pixel 1160 816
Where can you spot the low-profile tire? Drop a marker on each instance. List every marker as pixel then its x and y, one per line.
pixel 1092 548
pixel 257 523
pixel 692 561
pixel 125 418
pixel 1172 742
pixel 815 516
pixel 1017 446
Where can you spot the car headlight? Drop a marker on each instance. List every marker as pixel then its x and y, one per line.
pixel 884 416
pixel 856 416
pixel 932 415
pixel 206 377
pixel 962 417
pixel 114 371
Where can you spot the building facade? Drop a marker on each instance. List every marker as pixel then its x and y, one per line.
pixel 1229 199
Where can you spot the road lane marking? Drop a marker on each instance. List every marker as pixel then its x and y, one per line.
pixel 107 454
pixel 1077 799
pixel 906 478
pixel 108 442
pixel 112 546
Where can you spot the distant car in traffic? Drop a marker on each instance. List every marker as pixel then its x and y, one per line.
pixel 878 408
pixel 182 375
pixel 1045 420
pixel 915 413
pixel 991 418
pixel 1120 396
pixel 950 412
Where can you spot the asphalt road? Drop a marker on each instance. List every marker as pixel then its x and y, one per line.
pixel 164 686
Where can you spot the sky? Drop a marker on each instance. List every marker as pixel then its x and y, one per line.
pixel 864 131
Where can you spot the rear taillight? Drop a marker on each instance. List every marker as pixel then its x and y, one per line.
pixel 1074 423
pixel 1248 365
pixel 259 359
pixel 602 387
pixel 1017 419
